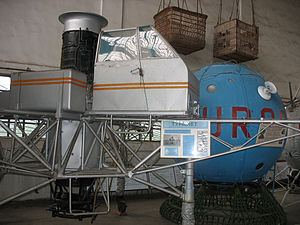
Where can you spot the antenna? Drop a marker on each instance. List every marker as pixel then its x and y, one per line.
pixel 291 96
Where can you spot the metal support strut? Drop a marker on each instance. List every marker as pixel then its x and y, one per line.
pixel 188 202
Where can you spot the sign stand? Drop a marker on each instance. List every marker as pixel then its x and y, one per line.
pixel 188 203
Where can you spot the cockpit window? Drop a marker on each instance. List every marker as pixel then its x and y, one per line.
pixel 152 45
pixel 118 46
pixel 122 45
pixel 4 82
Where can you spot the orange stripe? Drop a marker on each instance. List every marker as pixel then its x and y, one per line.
pixel 46 83
pixel 48 79
pixel 128 84
pixel 141 87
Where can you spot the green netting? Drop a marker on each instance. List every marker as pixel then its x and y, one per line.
pixel 239 205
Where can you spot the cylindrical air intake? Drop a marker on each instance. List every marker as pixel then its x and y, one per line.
pixel 81 31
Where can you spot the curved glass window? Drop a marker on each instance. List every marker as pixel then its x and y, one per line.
pixel 152 45
pixel 122 45
pixel 118 46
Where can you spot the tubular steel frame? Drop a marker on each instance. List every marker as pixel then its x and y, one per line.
pixel 26 158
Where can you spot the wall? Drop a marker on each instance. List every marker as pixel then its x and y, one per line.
pixel 31 33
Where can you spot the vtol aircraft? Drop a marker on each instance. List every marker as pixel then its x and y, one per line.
pixel 223 124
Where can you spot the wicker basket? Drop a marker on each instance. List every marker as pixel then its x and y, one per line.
pixel 183 29
pixel 236 40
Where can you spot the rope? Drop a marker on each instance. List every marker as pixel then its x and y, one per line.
pixel 169 3
pixel 184 5
pixel 253 15
pixel 231 14
pixel 220 13
pixel 199 4
pixel 237 15
pixel 237 9
pixel 159 6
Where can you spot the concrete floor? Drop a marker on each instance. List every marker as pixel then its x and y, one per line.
pixel 293 211
pixel 142 210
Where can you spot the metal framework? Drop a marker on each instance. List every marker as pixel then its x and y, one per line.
pixel 116 158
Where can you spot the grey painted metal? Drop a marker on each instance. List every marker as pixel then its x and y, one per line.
pixel 128 132
pixel 70 149
pixel 45 89
pixel 32 114
pixel 68 129
pixel 104 147
pixel 169 76
pixel 18 139
pixel 95 130
pixel 235 149
pixel 32 135
pixel 116 150
pixel 13 165
pixel 144 163
pixel 104 175
pixel 42 133
pixel 103 134
pixel 89 115
pixel 56 143
pixel 262 120
pixel 256 135
pixel 24 172
pixel 292 148
pixel 82 150
pixel 92 145
pixel 13 140
pixel 145 159
pixel 82 21
pixel 26 191
pixel 188 202
pixel 221 141
pixel 287 126
pixel 156 186
pixel 30 143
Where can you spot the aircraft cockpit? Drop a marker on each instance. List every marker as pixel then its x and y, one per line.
pixel 129 44
pixel 138 72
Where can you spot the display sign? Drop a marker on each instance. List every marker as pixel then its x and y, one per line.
pixel 272 132
pixel 185 138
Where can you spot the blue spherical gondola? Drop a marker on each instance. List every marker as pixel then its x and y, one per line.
pixel 231 91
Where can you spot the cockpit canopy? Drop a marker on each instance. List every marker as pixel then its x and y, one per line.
pixel 124 45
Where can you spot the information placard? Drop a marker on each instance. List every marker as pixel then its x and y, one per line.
pixel 185 138
pixel 272 132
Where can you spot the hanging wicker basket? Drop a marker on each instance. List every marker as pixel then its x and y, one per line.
pixel 236 40
pixel 183 29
